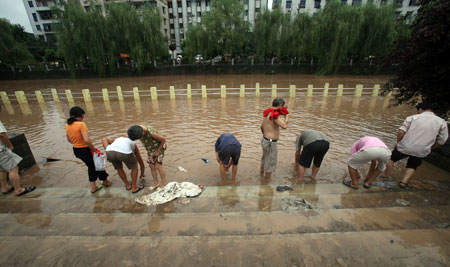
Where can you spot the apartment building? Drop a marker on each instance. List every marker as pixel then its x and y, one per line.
pixel 184 13
pixel 40 15
pixel 294 7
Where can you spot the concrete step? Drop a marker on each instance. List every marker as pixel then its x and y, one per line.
pixel 222 224
pixel 373 248
pixel 212 191
pixel 225 199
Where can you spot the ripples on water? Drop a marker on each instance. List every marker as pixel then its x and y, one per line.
pixel 192 127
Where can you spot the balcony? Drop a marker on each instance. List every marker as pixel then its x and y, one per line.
pixel 171 21
pixel 180 10
pixel 171 10
pixel 199 8
pixel 180 20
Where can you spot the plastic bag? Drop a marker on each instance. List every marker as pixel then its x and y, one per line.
pixel 99 161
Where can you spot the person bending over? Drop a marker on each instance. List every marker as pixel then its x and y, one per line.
pixel 124 150
pixel 155 144
pixel 228 151
pixel 365 150
pixel 315 145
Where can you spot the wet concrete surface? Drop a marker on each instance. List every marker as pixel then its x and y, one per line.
pixel 245 222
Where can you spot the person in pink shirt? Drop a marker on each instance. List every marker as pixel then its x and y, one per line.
pixel 367 149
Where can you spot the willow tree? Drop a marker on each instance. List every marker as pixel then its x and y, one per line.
pixel 377 32
pixel 335 31
pixel 71 34
pixel 197 42
pixel 226 28
pixel 135 32
pixel 272 33
pixel 89 37
pixel 302 35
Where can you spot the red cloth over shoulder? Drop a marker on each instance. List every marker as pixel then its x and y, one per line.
pixel 275 112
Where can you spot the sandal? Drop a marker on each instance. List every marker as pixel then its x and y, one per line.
pixel 26 191
pixel 9 191
pixel 349 184
pixel 403 185
pixel 140 187
pixel 98 188
pixel 366 186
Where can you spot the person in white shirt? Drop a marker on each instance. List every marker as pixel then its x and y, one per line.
pixel 124 150
pixel 417 136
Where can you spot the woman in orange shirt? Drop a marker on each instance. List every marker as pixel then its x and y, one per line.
pixel 78 136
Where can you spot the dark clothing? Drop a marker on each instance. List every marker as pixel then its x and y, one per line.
pixel 85 155
pixel 228 147
pixel 412 163
pixel 316 150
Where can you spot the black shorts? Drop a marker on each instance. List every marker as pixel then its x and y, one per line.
pixel 413 162
pixel 230 151
pixel 316 150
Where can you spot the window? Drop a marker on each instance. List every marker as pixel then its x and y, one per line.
pixel 356 2
pixel 169 5
pixel 172 36
pixel 35 17
pixel 412 2
pixel 181 26
pixel 38 27
pixel 198 3
pixel 30 3
pixel 164 10
pixel 288 4
pixel 257 10
pixel 316 3
pixel 165 21
pixel 199 14
pixel 188 3
pixel 178 3
pixel 47 27
pixel 344 2
pixel 180 15
pixel 172 26
pixel 409 14
pixel 207 3
pixel 182 36
pixel 246 13
pixel 302 4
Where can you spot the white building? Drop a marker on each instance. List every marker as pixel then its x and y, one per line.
pixel 40 16
pixel 294 7
pixel 184 13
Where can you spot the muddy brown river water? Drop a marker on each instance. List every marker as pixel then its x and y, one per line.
pixel 192 126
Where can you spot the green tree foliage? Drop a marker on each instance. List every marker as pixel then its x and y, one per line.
pixel 12 51
pixel 50 55
pixel 422 58
pixel 272 34
pixel 88 37
pixel 335 34
pixel 222 31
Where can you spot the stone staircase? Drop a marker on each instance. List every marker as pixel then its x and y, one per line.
pixel 314 225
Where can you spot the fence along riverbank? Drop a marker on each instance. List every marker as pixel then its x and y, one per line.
pixel 87 95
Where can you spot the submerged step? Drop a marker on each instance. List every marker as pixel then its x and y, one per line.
pixel 218 224
pixel 220 203
pixel 374 248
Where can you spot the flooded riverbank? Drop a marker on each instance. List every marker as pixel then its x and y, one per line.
pixel 192 127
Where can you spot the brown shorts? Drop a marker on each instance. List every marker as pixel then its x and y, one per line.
pixel 116 158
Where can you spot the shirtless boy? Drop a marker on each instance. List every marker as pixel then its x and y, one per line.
pixel 270 128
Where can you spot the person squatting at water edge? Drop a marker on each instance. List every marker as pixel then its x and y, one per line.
pixel 228 151
pixel 417 136
pixel 367 149
pixel 155 145
pixel 315 145
pixel 124 150
pixel 9 164
pixel 78 136
pixel 270 128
